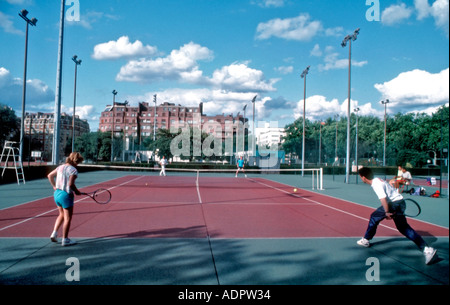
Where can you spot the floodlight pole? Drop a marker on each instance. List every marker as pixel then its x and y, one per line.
pixel 114 92
pixel 305 72
pixel 57 114
pixel 254 135
pixel 243 142
pixel 154 119
pixel 33 21
pixel 349 38
pixel 385 116
pixel 77 62
pixel 356 143
pixel 320 142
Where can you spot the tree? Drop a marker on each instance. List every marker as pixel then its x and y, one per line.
pixel 412 138
pixel 9 124
pixel 162 144
pixel 188 142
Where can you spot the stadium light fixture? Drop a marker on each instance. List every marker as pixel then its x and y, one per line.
pixel 23 14
pixel 77 63
pixel 349 39
pixel 57 112
pixel 303 75
pixel 253 131
pixel 356 110
pixel 114 92
pixel 385 116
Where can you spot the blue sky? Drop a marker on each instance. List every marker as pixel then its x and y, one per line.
pixel 223 53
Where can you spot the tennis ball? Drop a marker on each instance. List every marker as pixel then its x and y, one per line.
pixel 295 190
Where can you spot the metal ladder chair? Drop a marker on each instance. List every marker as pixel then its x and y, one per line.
pixel 9 150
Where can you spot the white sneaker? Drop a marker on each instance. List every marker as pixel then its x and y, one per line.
pixel 54 237
pixel 364 242
pixel 68 242
pixel 429 253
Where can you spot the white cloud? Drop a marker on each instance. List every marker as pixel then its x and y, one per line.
pixel 240 77
pixel 416 89
pixel 332 61
pixel 17 1
pixel 336 32
pixel 439 10
pixel 7 25
pixel 181 64
pixel 215 101
pixel 285 69
pixel 316 51
pixel 395 14
pixel 38 92
pixel 86 112
pixel 423 9
pixel 318 107
pixel 440 13
pixel 270 3
pixel 299 28
pixel 88 18
pixel 122 48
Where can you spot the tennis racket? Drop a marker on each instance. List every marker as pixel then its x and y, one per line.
pixel 101 196
pixel 412 208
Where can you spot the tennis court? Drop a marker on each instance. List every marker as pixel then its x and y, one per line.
pixel 195 228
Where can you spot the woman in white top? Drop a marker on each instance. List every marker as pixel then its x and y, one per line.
pixel 62 180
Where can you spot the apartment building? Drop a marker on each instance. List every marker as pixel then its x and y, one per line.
pixel 270 135
pixel 144 120
pixel 39 127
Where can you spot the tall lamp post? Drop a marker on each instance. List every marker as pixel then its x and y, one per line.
pixel 243 142
pixel 77 63
pixel 23 13
pixel 356 110
pixel 385 115
pixel 154 119
pixel 253 131
pixel 114 92
pixel 304 73
pixel 349 39
pixel 336 158
pixel 57 113
pixel 320 141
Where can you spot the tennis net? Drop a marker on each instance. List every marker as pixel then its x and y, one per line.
pixel 311 178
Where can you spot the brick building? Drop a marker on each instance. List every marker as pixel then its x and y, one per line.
pixel 144 120
pixel 39 128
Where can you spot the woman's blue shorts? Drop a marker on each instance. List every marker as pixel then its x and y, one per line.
pixel 63 199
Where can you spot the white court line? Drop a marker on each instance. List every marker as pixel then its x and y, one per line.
pixel 263 203
pixel 157 202
pixel 355 203
pixel 55 209
pixel 198 189
pixel 324 205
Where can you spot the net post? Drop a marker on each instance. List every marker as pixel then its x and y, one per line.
pixel 321 179
pixel 312 175
pixel 317 179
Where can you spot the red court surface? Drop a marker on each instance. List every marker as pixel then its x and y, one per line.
pixel 187 207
